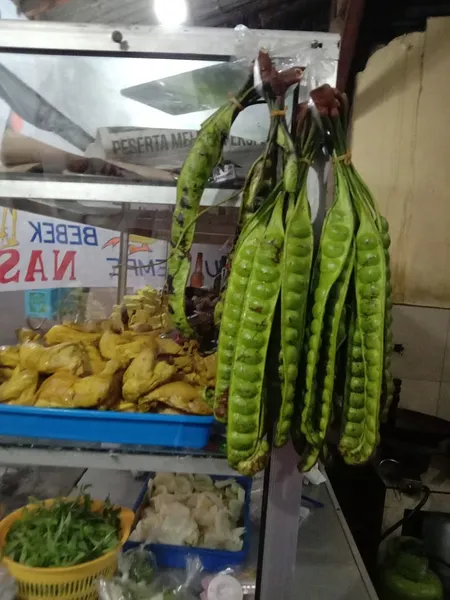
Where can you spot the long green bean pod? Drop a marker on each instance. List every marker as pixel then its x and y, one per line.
pixel 245 213
pixel 354 404
pixel 370 285
pixel 388 383
pixel 258 460
pixel 261 178
pixel 296 271
pixel 369 374
pixel 308 457
pixel 326 375
pixel 195 173
pixel 238 280
pixel 296 268
pixel 363 192
pixel 247 375
pixel 335 245
pixel 258 185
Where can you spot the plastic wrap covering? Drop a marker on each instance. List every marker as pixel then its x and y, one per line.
pixel 8 586
pixel 139 579
pixel 319 65
pixel 127 118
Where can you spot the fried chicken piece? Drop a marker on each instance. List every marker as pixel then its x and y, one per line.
pixel 20 388
pixel 27 335
pixel 144 374
pixel 68 333
pixel 65 390
pixel 57 391
pixel 94 360
pixel 68 356
pixel 124 347
pixel 169 346
pixel 181 396
pixel 9 356
pixel 6 373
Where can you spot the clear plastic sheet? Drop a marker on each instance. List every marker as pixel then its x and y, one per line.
pixel 139 579
pixel 114 117
pixel 221 585
pixel 8 585
pixel 133 118
pixel 318 64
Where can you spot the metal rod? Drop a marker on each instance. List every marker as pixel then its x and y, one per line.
pixel 281 526
pixel 123 258
pixel 110 456
pixel 95 37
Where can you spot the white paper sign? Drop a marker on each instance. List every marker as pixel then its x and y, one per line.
pixel 43 252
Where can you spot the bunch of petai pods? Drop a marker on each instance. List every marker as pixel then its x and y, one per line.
pixel 304 329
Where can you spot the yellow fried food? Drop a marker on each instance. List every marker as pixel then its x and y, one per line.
pixel 147 310
pixel 166 410
pixel 95 363
pixel 27 335
pixel 68 333
pixel 192 378
pixel 65 390
pixel 30 354
pixel 68 356
pixel 95 390
pixel 206 365
pixel 9 356
pixel 57 391
pixel 142 315
pixel 108 344
pixel 181 396
pixel 169 346
pixel 126 407
pixel 144 374
pixel 124 347
pixel 183 363
pixel 6 373
pixel 90 326
pixel 20 388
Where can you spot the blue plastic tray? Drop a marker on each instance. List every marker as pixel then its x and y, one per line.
pixel 174 557
pixel 105 426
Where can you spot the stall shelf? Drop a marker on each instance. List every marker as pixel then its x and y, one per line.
pixel 22 451
pixel 69 80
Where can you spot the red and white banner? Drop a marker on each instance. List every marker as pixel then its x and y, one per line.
pixel 43 252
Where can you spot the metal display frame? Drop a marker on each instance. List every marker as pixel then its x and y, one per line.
pixel 283 485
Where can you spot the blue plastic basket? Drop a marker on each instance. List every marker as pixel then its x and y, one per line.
pixel 174 557
pixel 172 431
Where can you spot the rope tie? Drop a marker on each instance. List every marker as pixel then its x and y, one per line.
pixel 234 101
pixel 346 158
pixel 279 112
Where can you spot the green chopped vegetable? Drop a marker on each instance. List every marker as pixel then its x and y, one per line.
pixel 64 533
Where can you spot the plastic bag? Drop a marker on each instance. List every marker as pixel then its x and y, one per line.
pixel 8 585
pixel 320 67
pixel 221 585
pixel 139 579
pixel 136 573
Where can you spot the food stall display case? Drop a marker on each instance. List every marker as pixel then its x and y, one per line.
pixel 96 124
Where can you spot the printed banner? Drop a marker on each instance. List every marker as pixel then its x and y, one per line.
pixel 43 252
pixel 166 148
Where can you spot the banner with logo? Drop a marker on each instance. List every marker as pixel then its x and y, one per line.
pixel 167 148
pixel 43 252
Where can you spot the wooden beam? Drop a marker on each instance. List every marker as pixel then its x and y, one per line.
pixel 353 17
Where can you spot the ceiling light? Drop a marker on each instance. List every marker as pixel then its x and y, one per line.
pixel 171 12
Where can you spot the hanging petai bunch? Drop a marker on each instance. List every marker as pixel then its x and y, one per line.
pixel 291 313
